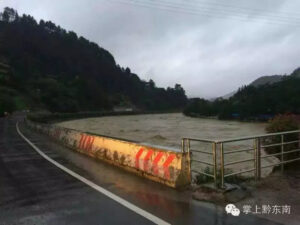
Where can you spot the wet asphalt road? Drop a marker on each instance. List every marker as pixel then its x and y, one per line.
pixel 33 191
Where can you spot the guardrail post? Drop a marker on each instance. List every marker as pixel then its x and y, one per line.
pixel 222 165
pixel 282 150
pixel 182 145
pixel 189 158
pixel 214 146
pixel 258 159
pixel 255 158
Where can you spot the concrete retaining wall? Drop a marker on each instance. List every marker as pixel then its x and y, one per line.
pixel 161 165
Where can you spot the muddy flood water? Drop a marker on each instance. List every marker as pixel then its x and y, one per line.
pixel 168 129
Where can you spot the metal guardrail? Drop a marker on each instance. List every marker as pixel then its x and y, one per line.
pixel 186 147
pixel 220 150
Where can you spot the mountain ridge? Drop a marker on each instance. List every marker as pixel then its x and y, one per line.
pixel 261 101
pixel 56 70
pixel 263 80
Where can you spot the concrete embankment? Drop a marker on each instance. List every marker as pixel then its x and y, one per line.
pixel 158 164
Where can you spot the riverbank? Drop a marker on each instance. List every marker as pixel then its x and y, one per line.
pixel 47 117
pixel 258 119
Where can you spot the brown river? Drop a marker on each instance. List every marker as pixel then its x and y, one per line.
pixel 168 129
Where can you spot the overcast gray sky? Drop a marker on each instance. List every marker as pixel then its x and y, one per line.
pixel 210 47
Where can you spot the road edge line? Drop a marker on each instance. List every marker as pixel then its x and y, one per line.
pixel 96 187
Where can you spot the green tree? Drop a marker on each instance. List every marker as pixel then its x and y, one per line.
pixel 282 123
pixel 60 71
pixel 6 104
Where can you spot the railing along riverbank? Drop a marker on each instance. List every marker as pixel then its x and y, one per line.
pixel 285 146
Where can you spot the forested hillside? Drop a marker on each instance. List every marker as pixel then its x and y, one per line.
pixel 259 102
pixel 258 82
pixel 267 80
pixel 46 67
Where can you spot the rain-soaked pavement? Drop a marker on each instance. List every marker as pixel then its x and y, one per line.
pixel 33 191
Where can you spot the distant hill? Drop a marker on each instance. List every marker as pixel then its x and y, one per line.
pixel 258 82
pixel 266 80
pixel 260 100
pixel 227 96
pixel 296 73
pixel 56 70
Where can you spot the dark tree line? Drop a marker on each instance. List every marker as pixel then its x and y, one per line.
pixel 253 103
pixel 62 72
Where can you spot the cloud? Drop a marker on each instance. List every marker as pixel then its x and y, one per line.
pixel 210 48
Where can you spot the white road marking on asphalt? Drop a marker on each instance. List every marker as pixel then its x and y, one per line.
pixel 114 197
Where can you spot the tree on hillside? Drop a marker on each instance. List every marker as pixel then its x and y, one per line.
pixel 9 15
pixel 254 102
pixel 81 75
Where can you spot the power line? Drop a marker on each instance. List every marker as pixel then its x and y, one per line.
pixel 211 10
pixel 197 11
pixel 230 9
pixel 297 15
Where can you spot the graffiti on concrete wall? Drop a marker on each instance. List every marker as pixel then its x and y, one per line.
pixel 152 161
pixel 86 142
pixel 143 161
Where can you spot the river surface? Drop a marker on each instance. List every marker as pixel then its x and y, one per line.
pixel 168 129
pixel 164 129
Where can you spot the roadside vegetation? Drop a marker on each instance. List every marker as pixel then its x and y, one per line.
pixel 282 123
